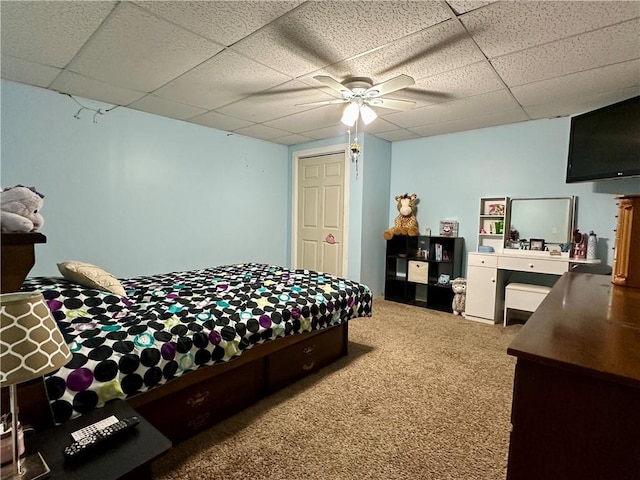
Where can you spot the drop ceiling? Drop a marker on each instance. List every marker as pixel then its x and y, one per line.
pixel 247 66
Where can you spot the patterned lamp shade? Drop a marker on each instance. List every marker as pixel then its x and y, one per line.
pixel 31 344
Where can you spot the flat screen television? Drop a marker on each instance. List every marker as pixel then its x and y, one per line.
pixel 605 143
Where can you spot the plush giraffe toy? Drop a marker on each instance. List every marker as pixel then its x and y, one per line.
pixel 406 223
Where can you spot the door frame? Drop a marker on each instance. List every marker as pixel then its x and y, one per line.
pixel 315 152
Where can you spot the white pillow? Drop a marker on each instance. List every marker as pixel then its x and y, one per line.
pixel 91 276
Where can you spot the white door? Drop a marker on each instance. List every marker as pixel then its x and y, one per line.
pixel 320 213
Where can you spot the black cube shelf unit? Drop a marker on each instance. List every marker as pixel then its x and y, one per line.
pixel 414 279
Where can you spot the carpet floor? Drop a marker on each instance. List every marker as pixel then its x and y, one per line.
pixel 421 395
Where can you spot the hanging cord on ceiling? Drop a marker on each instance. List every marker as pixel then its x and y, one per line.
pixel 98 111
pixel 354 148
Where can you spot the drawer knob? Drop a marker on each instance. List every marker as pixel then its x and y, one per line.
pixel 481 261
pixel 308 350
pixel 198 421
pixel 198 399
pixel 308 366
pixel 531 265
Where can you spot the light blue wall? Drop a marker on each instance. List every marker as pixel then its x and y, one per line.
pixel 451 172
pixel 140 194
pixel 376 172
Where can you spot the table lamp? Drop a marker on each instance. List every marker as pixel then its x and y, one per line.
pixel 31 345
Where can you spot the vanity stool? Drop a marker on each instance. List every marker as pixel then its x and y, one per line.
pixel 523 296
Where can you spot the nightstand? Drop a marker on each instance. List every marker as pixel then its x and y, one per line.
pixel 128 457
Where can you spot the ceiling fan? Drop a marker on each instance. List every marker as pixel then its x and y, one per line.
pixel 360 94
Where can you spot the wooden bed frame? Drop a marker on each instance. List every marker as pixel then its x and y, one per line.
pixel 201 398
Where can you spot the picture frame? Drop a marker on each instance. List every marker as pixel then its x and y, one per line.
pixel 496 209
pixel 536 244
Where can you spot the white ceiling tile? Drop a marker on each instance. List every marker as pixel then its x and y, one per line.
pixel 277 102
pixel 398 135
pixel 219 121
pixel 321 33
pixel 432 51
pixel 169 58
pixel 505 27
pixel 225 78
pixel 166 108
pixel 575 105
pixel 464 6
pixel 137 50
pixel 291 139
pixel 50 33
pixel 466 81
pixel 261 131
pixel 30 73
pixel 338 130
pixel 75 84
pixel 302 122
pixel 224 22
pixel 379 125
pixel 471 123
pixel 558 89
pixel 595 49
pixel 493 102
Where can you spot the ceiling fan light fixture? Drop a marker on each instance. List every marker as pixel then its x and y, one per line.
pixel 368 114
pixel 350 114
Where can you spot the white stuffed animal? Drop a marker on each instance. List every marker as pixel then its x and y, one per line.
pixel 20 207
pixel 459 287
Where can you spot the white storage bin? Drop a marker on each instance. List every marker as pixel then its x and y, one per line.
pixel 418 272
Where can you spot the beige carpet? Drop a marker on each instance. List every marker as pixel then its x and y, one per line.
pixel 422 395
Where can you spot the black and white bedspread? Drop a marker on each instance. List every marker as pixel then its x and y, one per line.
pixel 174 323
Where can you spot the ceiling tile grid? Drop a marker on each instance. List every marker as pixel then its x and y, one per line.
pixel 70 82
pixel 248 66
pixel 167 108
pixel 31 73
pixel 507 27
pixel 599 48
pixel 139 51
pixel 225 23
pixel 223 79
pixel 585 83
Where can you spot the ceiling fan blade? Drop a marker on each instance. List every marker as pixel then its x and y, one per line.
pixel 392 104
pixel 396 83
pixel 334 84
pixel 323 102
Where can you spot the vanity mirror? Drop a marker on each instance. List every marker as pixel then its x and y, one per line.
pixel 548 218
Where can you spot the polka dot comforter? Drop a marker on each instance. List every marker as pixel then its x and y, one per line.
pixel 171 324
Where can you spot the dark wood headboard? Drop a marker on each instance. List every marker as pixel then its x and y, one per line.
pixel 18 258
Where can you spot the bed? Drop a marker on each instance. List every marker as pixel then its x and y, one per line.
pixel 188 349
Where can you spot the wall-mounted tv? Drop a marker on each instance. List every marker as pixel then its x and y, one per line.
pixel 605 143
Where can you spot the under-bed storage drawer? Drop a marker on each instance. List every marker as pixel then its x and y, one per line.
pixel 201 405
pixel 287 365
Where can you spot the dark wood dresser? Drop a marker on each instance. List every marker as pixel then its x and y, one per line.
pixel 576 395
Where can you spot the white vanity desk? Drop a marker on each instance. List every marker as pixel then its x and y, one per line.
pixel 486 274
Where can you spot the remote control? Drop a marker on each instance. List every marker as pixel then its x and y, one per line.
pixel 79 447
